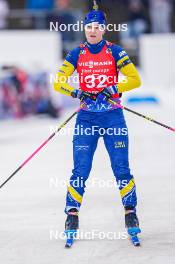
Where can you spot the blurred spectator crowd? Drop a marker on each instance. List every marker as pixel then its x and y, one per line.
pixel 23 94
pixel 37 14
pixel 150 16
pixel 141 16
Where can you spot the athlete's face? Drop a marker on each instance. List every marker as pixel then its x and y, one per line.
pixel 94 33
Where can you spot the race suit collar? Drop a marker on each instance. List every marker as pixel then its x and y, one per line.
pixel 96 48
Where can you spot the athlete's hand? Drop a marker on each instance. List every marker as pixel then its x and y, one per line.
pixel 107 93
pixel 83 96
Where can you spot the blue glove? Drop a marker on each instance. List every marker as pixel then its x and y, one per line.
pixel 83 96
pixel 107 93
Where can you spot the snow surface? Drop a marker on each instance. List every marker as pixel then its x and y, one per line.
pixel 31 206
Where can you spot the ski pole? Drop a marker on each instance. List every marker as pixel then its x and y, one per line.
pixel 65 122
pixel 41 146
pixel 141 115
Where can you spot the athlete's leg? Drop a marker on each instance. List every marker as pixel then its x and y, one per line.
pixel 117 147
pixel 84 146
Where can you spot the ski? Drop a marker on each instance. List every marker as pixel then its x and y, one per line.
pixel 133 235
pixel 70 237
pixel 135 240
pixel 69 243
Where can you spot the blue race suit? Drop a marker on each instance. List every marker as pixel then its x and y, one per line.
pixel 84 146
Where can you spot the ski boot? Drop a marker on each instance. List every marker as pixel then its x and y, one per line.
pixel 132 225
pixel 71 226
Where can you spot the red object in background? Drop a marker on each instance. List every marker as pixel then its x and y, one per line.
pixel 21 77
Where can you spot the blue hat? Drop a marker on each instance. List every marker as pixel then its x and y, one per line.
pixel 95 16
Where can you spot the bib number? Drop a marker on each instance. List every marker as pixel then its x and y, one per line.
pixel 93 81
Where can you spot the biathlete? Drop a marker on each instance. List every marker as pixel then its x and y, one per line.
pixel 98 63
